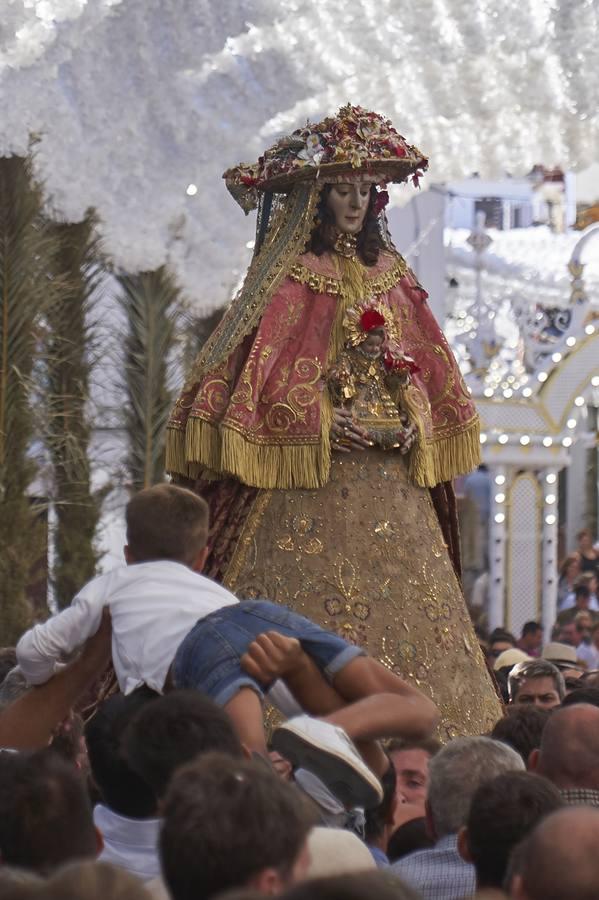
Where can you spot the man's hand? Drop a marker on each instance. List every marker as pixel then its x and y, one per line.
pixel 272 656
pixel 407 437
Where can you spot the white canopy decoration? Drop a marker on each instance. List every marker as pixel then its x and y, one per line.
pixel 135 100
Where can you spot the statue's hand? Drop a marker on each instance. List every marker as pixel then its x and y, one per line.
pixel 346 435
pixel 407 437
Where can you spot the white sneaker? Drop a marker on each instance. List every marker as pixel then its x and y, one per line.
pixel 327 751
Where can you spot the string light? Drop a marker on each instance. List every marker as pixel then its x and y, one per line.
pixel 571 423
pixel 524 440
pixel 488 392
pixel 527 392
pixel 547 441
pixel 567 442
pixel 556 357
pixel 579 401
pixel 595 380
pixel 499 518
pixel 550 519
pixel 570 341
pixel 503 438
pixel 191 190
pixel 590 329
pixel 499 498
pixel 542 376
pixel 551 478
pixel 500 479
pixel 550 498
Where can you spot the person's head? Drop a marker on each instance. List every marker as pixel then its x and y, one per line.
pixel 373 341
pixel 582 595
pixel 537 682
pixel 90 881
pixel 522 728
pixel 348 201
pixel 584 625
pixel 455 774
pixel 585 541
pixel 502 813
pixel 174 730
pixel 336 851
pixel 230 823
pixel 532 636
pixel 568 634
pixel 379 885
pixel 582 694
pixel 166 522
pixel 500 640
pixel 411 761
pixel 45 814
pixel 348 208
pixel 18 884
pixel 120 787
pixel 411 836
pixel 559 859
pixel 379 820
pixel 570 567
pixel 569 751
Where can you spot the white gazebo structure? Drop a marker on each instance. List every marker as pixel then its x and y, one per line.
pixel 533 414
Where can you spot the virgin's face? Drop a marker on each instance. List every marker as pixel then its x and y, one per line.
pixel 349 202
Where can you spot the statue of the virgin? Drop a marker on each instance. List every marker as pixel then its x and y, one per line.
pixel 326 417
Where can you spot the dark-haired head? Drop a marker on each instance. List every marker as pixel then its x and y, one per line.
pixel 325 233
pixel 121 788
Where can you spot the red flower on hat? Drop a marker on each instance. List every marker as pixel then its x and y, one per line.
pixel 371 319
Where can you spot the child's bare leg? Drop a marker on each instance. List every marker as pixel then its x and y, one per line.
pixel 245 712
pixel 380 704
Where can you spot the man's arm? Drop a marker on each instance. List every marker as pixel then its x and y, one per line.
pixel 28 723
pixel 272 656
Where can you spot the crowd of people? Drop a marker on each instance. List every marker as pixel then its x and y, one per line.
pixel 171 788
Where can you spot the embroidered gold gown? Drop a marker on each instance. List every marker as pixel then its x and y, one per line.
pixel 364 556
pixel 360 549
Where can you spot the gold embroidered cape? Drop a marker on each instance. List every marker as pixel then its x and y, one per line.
pixel 257 405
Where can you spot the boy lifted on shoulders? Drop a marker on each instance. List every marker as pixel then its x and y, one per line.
pixel 173 626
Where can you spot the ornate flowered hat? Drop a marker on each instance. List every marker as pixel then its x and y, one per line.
pixel 355 140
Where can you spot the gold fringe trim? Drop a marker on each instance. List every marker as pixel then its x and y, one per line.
pixel 327 284
pixel 176 462
pixel 432 462
pixel 224 451
pixel 272 465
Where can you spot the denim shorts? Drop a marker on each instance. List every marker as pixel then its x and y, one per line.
pixel 209 657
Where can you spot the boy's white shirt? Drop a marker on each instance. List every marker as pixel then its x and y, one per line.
pixel 153 606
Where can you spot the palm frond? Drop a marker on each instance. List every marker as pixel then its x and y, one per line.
pixel 68 338
pixel 26 288
pixel 151 302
